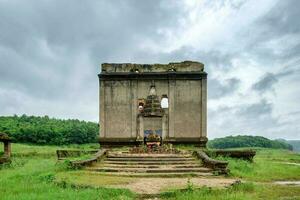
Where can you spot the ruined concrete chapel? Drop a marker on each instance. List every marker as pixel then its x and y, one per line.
pixel 169 100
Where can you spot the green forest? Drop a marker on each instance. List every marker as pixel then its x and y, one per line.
pixel 45 130
pixel 247 141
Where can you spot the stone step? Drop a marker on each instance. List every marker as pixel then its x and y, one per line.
pixel 149 159
pixel 149 170
pixel 151 162
pixel 153 175
pixel 114 155
pixel 149 166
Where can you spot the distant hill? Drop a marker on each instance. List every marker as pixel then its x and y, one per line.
pixel 45 130
pixel 295 144
pixel 247 141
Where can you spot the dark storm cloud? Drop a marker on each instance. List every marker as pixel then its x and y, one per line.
pixel 40 42
pixel 50 51
pixel 79 25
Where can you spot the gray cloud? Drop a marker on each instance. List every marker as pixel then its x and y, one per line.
pixel 282 19
pixel 266 83
pixel 256 110
pixel 50 52
pixel 42 40
pixel 216 89
pixel 280 25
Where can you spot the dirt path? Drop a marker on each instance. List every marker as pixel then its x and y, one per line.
pixel 296 183
pixel 157 185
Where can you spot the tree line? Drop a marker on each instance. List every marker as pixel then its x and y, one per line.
pixel 45 130
pixel 247 141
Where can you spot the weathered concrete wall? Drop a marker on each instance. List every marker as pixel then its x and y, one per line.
pixel 160 85
pixel 118 105
pixel 121 85
pixel 187 111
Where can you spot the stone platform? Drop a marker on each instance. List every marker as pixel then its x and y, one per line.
pixel 149 173
pixel 151 165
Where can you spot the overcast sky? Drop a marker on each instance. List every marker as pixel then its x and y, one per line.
pixel 51 51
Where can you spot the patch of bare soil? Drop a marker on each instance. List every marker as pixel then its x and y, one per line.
pixel 290 163
pixel 157 185
pixel 296 183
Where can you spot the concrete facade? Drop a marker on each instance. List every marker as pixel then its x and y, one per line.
pixel 130 96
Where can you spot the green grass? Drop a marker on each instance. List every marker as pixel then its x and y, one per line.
pixel 33 180
pixel 47 149
pixel 32 176
pixel 84 178
pixel 268 165
pixel 35 174
pixel 81 157
pixel 27 150
pixel 244 191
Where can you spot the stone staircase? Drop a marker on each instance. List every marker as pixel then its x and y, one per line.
pixel 150 165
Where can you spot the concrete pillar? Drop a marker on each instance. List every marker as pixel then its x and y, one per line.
pixel 134 105
pixel 171 116
pixel 204 108
pixel 165 124
pixel 102 109
pixel 7 149
pixel 141 127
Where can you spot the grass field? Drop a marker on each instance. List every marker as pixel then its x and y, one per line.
pixel 32 173
pixel 35 174
pixel 268 165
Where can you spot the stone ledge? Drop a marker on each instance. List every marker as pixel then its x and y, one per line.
pixel 133 67
pixel 216 165
pixel 241 154
pixel 98 156
pixel 153 76
pixel 113 142
pixel 62 154
pixel 4 159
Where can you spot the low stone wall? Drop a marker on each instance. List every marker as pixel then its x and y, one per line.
pixel 241 154
pixel 98 156
pixel 63 154
pixel 5 156
pixel 4 159
pixel 216 165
